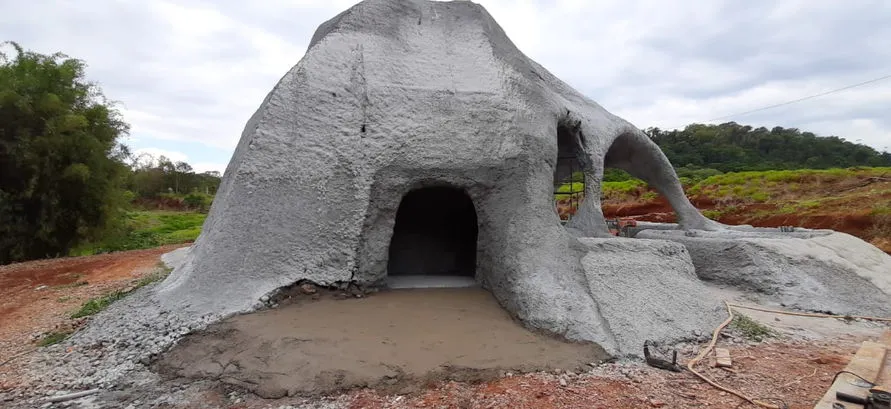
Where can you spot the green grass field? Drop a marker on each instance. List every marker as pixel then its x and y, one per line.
pixel 147 229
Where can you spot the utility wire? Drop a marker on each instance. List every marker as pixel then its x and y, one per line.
pixel 802 99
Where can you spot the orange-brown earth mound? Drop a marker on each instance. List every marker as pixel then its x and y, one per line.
pixel 857 202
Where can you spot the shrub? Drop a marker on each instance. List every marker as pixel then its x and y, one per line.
pixel 750 328
pixel 621 190
pixel 198 201
pixel 697 174
pixel 52 338
pixel 96 305
pixel 712 214
pixel 616 175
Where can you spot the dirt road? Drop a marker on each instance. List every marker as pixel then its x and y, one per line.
pixel 38 297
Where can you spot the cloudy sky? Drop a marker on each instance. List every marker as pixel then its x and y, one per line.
pixel 189 73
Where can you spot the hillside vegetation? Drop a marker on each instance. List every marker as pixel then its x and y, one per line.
pixel 853 200
pixel 148 229
pixel 731 147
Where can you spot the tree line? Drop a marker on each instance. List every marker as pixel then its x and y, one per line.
pixel 152 177
pixel 66 178
pixel 731 147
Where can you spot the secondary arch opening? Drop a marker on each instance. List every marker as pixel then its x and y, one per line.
pixel 569 175
pixel 435 234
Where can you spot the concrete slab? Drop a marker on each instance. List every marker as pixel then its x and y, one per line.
pixel 430 281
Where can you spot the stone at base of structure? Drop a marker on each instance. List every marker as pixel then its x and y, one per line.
pixel 648 290
pixel 815 270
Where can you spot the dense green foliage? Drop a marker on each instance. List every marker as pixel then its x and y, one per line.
pixel 60 161
pixel 731 147
pixel 699 151
pixel 65 180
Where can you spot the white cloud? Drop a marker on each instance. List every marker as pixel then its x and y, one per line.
pixel 193 71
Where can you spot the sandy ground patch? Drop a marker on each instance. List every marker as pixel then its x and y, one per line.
pixel 396 341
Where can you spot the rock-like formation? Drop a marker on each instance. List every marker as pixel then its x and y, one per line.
pixel 414 137
pixel 815 270
pixel 429 102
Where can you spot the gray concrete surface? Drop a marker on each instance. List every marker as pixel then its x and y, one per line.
pixel 816 270
pixel 175 258
pixel 648 290
pixel 430 281
pixel 393 96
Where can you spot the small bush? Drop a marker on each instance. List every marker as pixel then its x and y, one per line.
pixel 751 329
pixel 616 175
pixel 574 187
pixel 621 190
pixel 96 305
pixel 712 214
pixel 52 338
pixel 881 210
pixel 787 209
pixel 760 196
pixel 200 201
pixel 648 196
pixel 696 174
pixel 809 204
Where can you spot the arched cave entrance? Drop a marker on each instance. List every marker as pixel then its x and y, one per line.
pixel 435 234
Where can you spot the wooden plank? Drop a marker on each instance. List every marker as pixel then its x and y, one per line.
pixel 722 358
pixel 885 373
pixel 867 362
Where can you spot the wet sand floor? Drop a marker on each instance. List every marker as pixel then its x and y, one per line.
pixel 396 341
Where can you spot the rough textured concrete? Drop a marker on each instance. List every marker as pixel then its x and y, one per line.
pixel 816 270
pixel 398 95
pixel 175 258
pixel 648 290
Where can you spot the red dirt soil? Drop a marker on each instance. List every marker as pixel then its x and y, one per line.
pixel 758 215
pixel 37 297
pixel 796 372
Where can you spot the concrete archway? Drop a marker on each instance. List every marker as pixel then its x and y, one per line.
pixel 435 234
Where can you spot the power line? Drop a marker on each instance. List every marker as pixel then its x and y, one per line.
pixel 802 99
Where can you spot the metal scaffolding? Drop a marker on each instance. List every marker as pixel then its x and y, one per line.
pixel 568 192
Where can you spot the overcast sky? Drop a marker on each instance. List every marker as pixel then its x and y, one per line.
pixel 189 73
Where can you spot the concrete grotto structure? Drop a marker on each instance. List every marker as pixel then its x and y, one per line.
pixel 415 138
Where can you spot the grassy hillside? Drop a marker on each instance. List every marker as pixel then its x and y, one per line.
pixel 852 200
pixel 147 229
